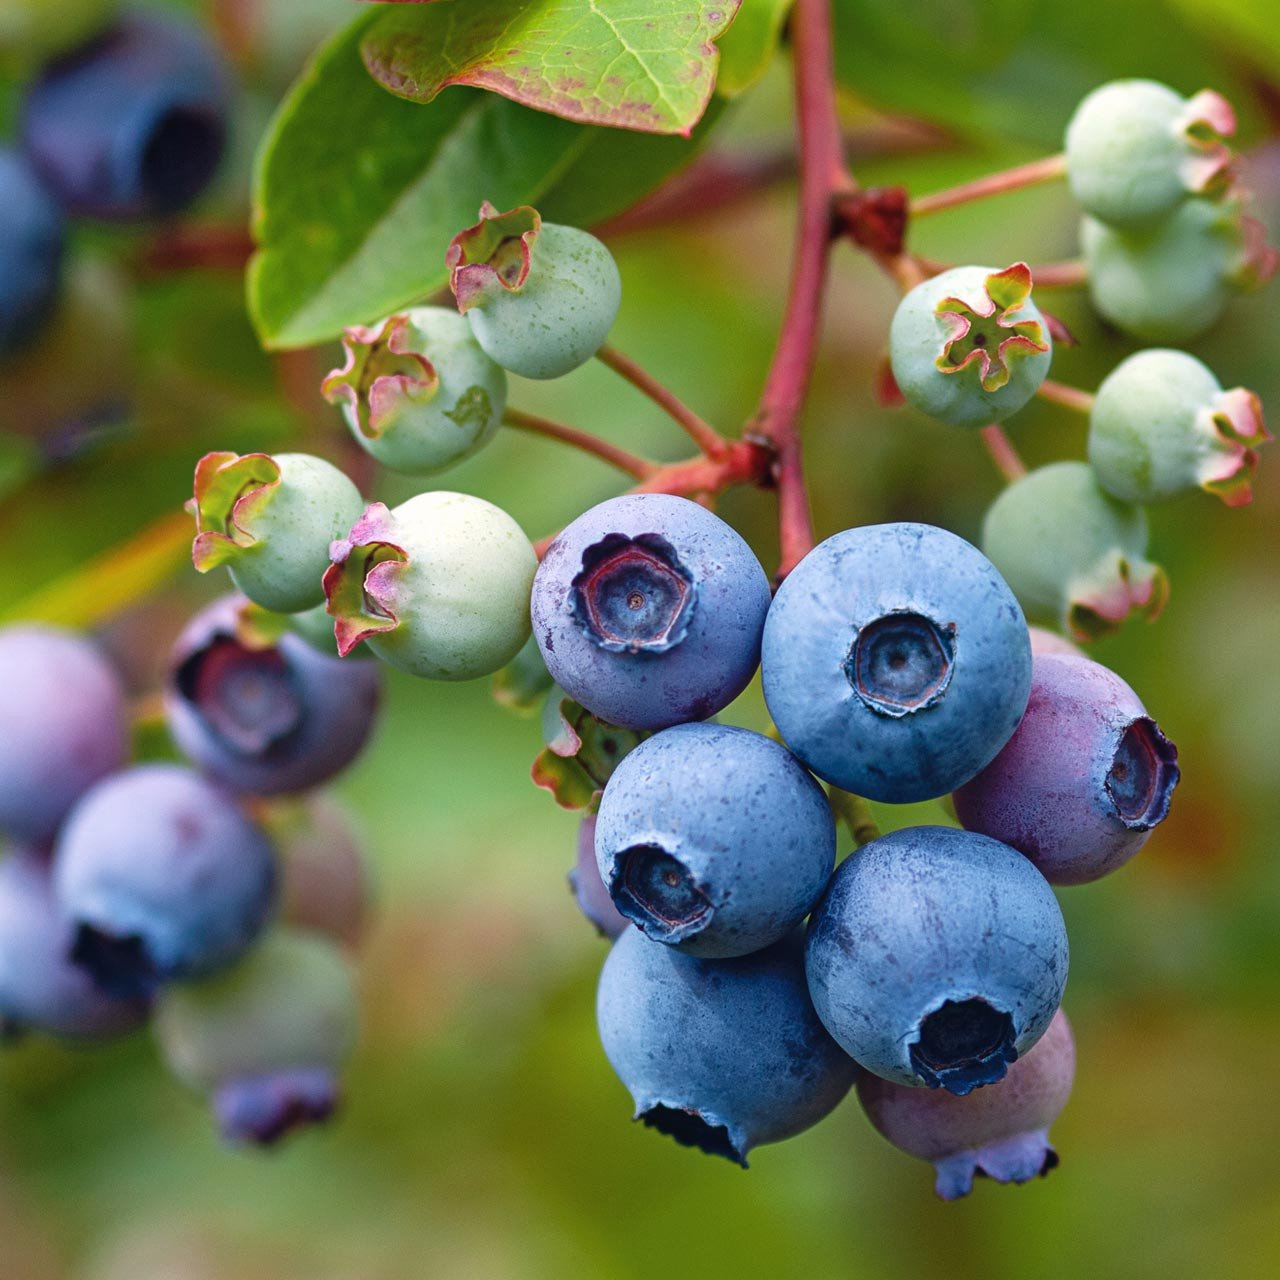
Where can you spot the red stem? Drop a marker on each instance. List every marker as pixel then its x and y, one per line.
pixel 1069 397
pixel 636 467
pixel 1060 275
pixel 1007 459
pixel 994 184
pixel 822 174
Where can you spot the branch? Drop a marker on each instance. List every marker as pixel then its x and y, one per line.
pixel 994 184
pixel 1069 397
pixel 636 467
pixel 1007 459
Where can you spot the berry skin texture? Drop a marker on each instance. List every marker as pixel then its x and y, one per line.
pixel 63 726
pixel 588 889
pixel 417 391
pixel 1001 1131
pixel 1162 425
pixel 722 1055
pixel 969 347
pixel 438 587
pixel 648 610
pixel 270 520
pixel 32 249
pixel 1171 282
pixel 896 661
pixel 266 1039
pixel 134 124
pixel 1072 553
pixel 163 878
pixel 540 298
pixel 937 957
pixel 1136 150
pixel 714 840
pixel 265 718
pixel 40 989
pixel 1083 781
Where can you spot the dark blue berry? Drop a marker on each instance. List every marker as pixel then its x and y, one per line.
pixel 32 244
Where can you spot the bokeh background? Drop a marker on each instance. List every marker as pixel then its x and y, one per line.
pixel 484 1134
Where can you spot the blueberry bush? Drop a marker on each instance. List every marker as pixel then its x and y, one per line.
pixel 792 464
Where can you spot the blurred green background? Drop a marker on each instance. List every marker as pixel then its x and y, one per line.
pixel 484 1135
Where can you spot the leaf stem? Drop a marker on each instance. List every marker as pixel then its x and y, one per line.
pixel 1007 459
pixel 636 467
pixel 855 813
pixel 1024 175
pixel 1069 397
pixel 701 432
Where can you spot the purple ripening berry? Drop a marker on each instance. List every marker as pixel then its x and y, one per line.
pixel 1001 1131
pixel 1084 780
pixel 588 888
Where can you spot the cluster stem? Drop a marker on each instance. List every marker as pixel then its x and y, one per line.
pixel 1049 169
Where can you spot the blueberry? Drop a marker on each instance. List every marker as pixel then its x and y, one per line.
pixel 937 957
pixel 896 661
pixel 540 298
pixel 1136 149
pixel 1161 425
pixel 714 839
pixel 270 520
pixel 263 717
pixel 266 1039
pixel 32 249
pixel 1001 1131
pixel 588 889
pixel 439 587
pixel 722 1055
pixel 40 989
pixel 63 725
pixel 417 391
pixel 133 124
pixel 1073 554
pixel 162 877
pixel 648 610
pixel 969 346
pixel 1083 781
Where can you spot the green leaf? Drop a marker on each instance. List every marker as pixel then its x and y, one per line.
pixel 648 65
pixel 358 193
pixel 747 48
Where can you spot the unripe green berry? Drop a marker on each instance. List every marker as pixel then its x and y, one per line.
pixel 439 587
pixel 969 347
pixel 1170 282
pixel 270 520
pixel 1161 425
pixel 1073 554
pixel 417 391
pixel 540 297
pixel 1136 150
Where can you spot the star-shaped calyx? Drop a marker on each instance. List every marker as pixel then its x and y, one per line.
pixel 381 375
pixel 988 335
pixel 493 256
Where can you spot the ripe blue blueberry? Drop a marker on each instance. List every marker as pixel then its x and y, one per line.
pixel 589 889
pixel 896 661
pixel 648 610
pixel 162 877
pixel 937 957
pixel 714 839
pixel 722 1055
pixel 1161 425
pixel 265 717
pixel 32 247
pixel 1083 781
pixel 270 520
pixel 63 725
pixel 133 125
pixel 1001 1131
pixel 40 988
pixel 969 346
pixel 1136 150
pixel 1073 554
pixel 540 298
pixel 266 1039
pixel 417 391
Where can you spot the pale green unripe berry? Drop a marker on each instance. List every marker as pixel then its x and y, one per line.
pixel 1162 425
pixel 439 587
pixel 270 519
pixel 1136 150
pixel 969 347
pixel 1074 555
pixel 540 297
pixel 417 391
